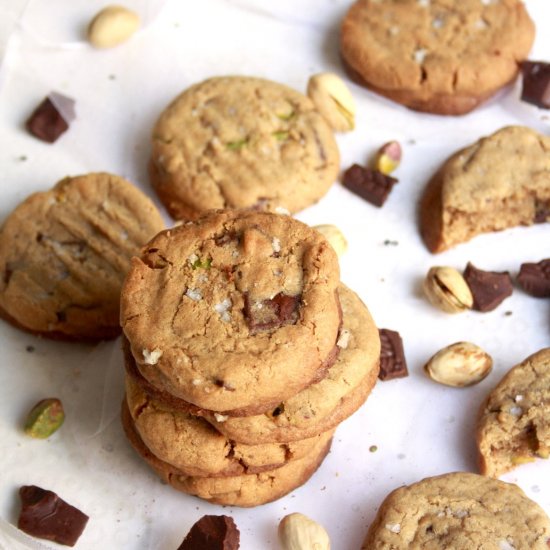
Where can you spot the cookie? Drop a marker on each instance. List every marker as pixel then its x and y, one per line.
pixel 321 406
pixel 244 490
pixel 241 142
pixel 195 448
pixel 65 252
pixel 514 421
pixel 220 312
pixel 443 57
pixel 461 511
pixel 500 181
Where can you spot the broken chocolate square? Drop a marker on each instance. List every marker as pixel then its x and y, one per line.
pixel 489 288
pixel 536 83
pixel 46 516
pixel 212 533
pixel 371 185
pixel 51 118
pixel 272 313
pixel 392 356
pixel 534 278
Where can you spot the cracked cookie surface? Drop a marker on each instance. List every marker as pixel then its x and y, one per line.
pixel 235 311
pixel 438 56
pixel 500 181
pixel 239 142
pixel 514 421
pixel 462 511
pixel 65 252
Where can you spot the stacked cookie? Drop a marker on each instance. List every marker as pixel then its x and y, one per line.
pixel 243 352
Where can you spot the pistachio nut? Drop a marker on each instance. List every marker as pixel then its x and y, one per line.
pixel 298 532
pixel 333 100
pixel 112 26
pixel 446 289
pixel 460 364
pixel 334 236
pixel 388 157
pixel 45 418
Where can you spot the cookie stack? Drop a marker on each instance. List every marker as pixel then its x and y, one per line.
pixel 243 352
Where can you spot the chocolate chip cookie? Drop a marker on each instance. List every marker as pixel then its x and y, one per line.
pixel 500 181
pixel 443 57
pixel 65 252
pixel 239 142
pixel 514 421
pixel 460 511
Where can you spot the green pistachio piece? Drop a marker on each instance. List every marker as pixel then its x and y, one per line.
pixel 286 116
pixel 236 145
pixel 45 418
pixel 200 264
pixel 281 135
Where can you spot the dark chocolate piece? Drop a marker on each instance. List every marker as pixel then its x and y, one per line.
pixel 542 211
pixel 489 288
pixel 392 356
pixel 46 516
pixel 51 118
pixel 536 83
pixel 274 313
pixel 371 185
pixel 212 533
pixel 535 278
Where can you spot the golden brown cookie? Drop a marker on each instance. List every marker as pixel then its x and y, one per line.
pixel 65 252
pixel 514 420
pixel 240 142
pixel 321 406
pixel 195 448
pixel 438 56
pixel 461 511
pixel 244 490
pixel 236 311
pixel 500 181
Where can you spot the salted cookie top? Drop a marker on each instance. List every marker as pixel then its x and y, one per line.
pixel 500 181
pixel 237 310
pixel 65 252
pixel 441 56
pixel 514 421
pixel 460 511
pixel 238 142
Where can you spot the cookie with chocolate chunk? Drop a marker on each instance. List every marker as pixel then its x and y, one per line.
pixel 500 181
pixel 65 252
pixel 514 420
pixel 239 142
pixel 236 311
pixel 458 510
pixel 437 57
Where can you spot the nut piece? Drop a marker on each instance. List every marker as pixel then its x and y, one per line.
pixel 333 100
pixel 298 532
pixel 446 289
pixel 460 364
pixel 334 236
pixel 45 418
pixel 388 157
pixel 112 26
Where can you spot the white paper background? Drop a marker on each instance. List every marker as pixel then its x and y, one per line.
pixel 420 428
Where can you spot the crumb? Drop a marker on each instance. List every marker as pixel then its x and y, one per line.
pixel 373 448
pixel 508 313
pixel 389 242
pixel 30 349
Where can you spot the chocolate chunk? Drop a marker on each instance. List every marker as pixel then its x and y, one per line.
pixel 489 288
pixel 274 313
pixel 371 185
pixel 46 516
pixel 392 356
pixel 542 211
pixel 535 278
pixel 212 533
pixel 51 118
pixel 536 83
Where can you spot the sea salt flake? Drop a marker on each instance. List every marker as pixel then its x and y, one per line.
pixel 343 339
pixel 420 55
pixel 194 294
pixel 151 357
pixel 220 417
pixel 393 527
pixel 518 398
pixel 276 244
pixel 506 544
pixel 192 259
pixel 282 210
pixel 223 309
pixel 516 411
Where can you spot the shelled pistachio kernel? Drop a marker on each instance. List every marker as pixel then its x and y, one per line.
pixel 388 157
pixel 45 418
pixel 334 236
pixel 333 100
pixel 298 532
pixel 460 364
pixel 112 26
pixel 446 289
